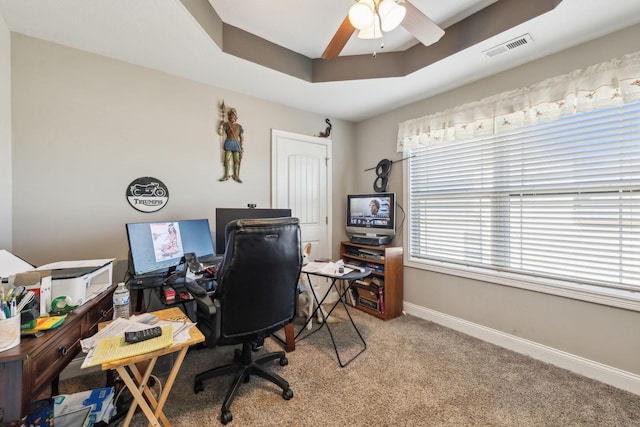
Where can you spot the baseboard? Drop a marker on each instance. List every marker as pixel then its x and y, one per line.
pixel 607 374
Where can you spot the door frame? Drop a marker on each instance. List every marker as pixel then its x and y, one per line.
pixel 275 135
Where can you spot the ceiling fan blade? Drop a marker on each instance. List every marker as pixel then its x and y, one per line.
pixel 420 26
pixel 340 38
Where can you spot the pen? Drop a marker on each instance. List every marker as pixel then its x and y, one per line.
pixel 13 307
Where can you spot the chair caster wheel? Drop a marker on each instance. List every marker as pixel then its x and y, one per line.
pixel 287 394
pixel 284 361
pixel 226 417
pixel 198 387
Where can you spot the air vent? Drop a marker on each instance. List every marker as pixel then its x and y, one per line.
pixel 510 45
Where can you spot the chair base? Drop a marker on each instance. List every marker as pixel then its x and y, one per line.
pixel 243 367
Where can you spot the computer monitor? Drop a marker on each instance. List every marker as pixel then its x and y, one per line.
pixel 155 247
pixel 226 215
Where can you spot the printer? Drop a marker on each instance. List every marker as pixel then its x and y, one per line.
pixel 81 281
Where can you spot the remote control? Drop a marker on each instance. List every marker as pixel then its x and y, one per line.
pixel 145 334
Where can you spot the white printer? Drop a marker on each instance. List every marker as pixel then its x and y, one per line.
pixel 80 280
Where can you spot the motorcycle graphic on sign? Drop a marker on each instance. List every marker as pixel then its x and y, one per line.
pixel 147 194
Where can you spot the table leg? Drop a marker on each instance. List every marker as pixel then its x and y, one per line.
pixel 341 297
pixel 137 390
pixel 289 339
pixel 167 386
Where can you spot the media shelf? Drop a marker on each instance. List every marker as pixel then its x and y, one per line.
pixel 386 268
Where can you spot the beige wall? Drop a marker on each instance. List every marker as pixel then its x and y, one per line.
pixel 85 126
pixel 599 333
pixel 5 138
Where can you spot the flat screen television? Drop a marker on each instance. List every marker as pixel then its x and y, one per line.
pixel 371 216
pixel 155 247
pixel 226 215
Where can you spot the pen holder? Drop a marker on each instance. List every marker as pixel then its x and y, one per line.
pixel 9 333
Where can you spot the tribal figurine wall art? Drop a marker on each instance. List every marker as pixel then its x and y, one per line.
pixel 233 145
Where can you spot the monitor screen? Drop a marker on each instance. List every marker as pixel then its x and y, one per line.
pixel 155 247
pixel 226 215
pixel 372 214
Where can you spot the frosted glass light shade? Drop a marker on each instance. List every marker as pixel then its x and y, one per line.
pixel 373 32
pixel 391 14
pixel 361 14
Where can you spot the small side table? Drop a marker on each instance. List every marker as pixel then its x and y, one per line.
pixel 349 278
pixel 137 384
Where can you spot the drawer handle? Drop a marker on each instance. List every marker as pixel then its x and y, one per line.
pixel 103 313
pixel 63 350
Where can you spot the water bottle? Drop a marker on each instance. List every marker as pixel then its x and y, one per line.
pixel 121 302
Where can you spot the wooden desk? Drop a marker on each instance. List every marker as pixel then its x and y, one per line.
pixel 36 362
pixel 137 384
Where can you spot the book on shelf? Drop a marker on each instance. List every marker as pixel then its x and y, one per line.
pixel 372 252
pixel 367 255
pixel 365 281
pixel 369 303
pixel 352 296
pixel 378 268
pixel 381 299
pixel 377 281
pixel 367 293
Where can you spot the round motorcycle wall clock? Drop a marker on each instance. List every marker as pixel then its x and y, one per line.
pixel 147 194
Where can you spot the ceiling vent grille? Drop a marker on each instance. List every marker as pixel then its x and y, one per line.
pixel 510 45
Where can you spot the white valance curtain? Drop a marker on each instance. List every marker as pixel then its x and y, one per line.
pixel 599 86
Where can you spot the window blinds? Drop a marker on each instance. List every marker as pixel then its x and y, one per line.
pixel 558 200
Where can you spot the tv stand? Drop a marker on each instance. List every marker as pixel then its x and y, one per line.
pixel 370 240
pixel 385 263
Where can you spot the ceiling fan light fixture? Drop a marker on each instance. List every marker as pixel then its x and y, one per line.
pixel 391 14
pixel 361 14
pixel 373 32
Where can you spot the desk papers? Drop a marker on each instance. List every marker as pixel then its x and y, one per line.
pixel 115 348
pixel 326 268
pixel 179 334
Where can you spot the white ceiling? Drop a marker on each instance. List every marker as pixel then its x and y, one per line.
pixel 162 35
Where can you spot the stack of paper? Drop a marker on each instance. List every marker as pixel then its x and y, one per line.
pixel 174 331
pixel 115 348
pixel 327 268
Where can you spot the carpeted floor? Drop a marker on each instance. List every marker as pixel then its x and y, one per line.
pixel 413 373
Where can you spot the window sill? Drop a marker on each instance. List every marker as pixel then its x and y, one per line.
pixel 611 297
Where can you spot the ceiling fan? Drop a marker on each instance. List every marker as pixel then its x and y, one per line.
pixel 374 17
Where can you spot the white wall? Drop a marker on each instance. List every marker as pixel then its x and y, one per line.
pixel 6 195
pixel 597 333
pixel 85 126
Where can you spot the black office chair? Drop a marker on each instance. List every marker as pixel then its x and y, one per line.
pixel 257 295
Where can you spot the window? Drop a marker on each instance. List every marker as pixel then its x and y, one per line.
pixel 554 202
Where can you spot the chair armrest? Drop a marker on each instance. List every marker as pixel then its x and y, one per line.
pixel 207 312
pixel 195 289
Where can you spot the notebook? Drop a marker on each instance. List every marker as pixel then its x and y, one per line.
pixel 115 348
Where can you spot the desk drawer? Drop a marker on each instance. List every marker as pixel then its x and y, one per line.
pixel 102 313
pixel 47 364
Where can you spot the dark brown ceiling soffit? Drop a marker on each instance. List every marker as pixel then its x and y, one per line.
pixel 488 22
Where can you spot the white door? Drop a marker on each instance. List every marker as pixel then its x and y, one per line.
pixel 301 171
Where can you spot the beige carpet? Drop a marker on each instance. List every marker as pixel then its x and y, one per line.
pixel 413 373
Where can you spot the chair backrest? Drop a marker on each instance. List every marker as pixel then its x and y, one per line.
pixel 258 278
